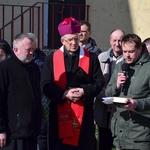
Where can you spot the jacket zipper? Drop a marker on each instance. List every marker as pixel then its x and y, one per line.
pixel 18 120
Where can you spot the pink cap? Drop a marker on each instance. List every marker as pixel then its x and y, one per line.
pixel 69 26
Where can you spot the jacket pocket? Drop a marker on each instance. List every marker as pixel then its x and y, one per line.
pixel 140 128
pixel 114 126
pixel 18 122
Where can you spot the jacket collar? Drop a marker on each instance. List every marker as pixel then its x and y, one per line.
pixel 108 56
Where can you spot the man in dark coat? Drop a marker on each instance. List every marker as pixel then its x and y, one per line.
pixel 5 50
pixel 86 40
pixel 39 59
pixel 20 97
pixel 71 78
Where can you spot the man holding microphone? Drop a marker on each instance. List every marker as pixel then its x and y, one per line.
pixel 130 124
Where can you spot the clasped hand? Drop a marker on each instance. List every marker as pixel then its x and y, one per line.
pixel 2 139
pixel 73 94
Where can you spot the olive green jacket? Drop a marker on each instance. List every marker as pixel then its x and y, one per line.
pixel 131 130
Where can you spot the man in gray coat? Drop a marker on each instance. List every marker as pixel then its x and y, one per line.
pixel 102 112
pixel 130 124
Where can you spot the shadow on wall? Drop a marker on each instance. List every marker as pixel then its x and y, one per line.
pixel 105 16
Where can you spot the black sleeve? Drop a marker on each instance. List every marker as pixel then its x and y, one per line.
pixel 93 88
pixel 49 88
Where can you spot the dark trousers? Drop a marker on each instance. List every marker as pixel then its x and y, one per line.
pixel 42 138
pixel 126 149
pixel 21 144
pixel 105 140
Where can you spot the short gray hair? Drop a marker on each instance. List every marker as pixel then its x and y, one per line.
pixel 19 37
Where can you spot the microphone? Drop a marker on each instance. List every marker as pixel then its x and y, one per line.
pixel 125 68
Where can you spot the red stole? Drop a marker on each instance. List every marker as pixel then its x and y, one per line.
pixel 69 115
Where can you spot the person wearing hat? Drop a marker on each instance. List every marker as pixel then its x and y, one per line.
pixel 5 49
pixel 71 78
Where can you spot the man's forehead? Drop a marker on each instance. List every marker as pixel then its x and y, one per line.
pixel 128 45
pixel 84 26
pixel 117 35
pixel 71 35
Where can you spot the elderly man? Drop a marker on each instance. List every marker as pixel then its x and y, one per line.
pixel 20 98
pixel 130 124
pixel 102 113
pixel 71 78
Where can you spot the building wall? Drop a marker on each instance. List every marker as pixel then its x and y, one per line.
pixel 106 15
pixel 19 2
pixel 17 23
pixel 140 14
pixel 133 16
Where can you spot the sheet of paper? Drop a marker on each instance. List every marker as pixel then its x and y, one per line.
pixel 107 100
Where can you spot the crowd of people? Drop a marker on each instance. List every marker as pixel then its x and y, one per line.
pixel 72 81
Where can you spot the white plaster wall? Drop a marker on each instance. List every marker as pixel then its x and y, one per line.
pixel 140 14
pixel 133 16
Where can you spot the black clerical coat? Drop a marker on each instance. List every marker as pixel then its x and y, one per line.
pixel 55 93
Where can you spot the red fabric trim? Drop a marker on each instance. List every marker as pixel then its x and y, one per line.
pixel 64 111
pixel 69 115
pixel 59 72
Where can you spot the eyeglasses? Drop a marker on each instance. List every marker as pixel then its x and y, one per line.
pixel 71 40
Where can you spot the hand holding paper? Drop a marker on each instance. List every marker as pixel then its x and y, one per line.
pixel 116 100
